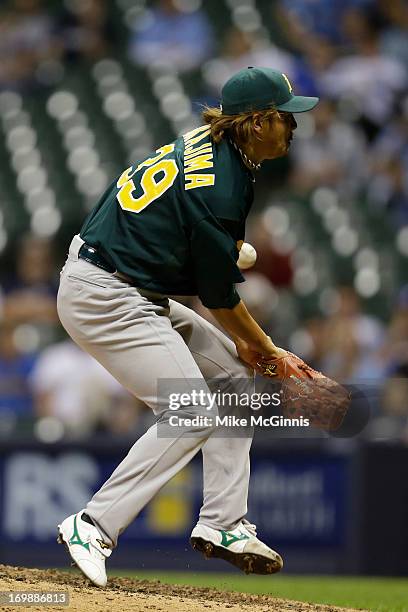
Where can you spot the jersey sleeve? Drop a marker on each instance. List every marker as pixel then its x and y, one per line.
pixel 236 229
pixel 214 258
pixel 231 208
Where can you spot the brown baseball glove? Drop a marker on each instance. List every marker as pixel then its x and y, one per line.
pixel 307 393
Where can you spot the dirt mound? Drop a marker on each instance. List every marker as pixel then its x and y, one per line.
pixel 125 594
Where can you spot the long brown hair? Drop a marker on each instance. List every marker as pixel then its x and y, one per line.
pixel 238 127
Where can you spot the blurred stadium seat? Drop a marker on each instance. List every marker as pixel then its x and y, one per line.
pixel 335 213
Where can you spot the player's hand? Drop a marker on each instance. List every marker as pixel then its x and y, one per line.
pixel 269 350
pixel 253 357
pixel 245 353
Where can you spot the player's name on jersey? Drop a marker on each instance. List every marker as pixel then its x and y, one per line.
pixel 254 420
pixel 198 155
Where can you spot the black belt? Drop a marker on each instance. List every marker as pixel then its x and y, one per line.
pixel 91 255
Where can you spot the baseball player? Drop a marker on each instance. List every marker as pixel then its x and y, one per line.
pixel 172 224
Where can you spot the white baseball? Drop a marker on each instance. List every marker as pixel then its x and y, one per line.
pixel 247 256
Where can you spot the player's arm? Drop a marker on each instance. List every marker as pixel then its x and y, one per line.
pixel 240 325
pixel 214 256
pixel 244 330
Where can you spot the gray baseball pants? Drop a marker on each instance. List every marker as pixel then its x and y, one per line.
pixel 140 337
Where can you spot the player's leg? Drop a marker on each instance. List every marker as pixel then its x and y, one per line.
pixel 132 337
pixel 221 530
pixel 225 459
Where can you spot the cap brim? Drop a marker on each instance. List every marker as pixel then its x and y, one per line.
pixel 298 104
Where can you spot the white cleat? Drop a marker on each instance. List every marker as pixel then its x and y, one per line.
pixel 86 547
pixel 239 546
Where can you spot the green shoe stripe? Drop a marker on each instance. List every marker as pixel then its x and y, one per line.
pixel 229 538
pixel 76 539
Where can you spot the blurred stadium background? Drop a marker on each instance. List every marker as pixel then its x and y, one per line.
pixel 89 86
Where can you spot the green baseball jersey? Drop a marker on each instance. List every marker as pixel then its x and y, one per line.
pixel 171 221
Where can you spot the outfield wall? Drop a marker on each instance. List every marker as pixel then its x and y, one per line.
pixel 326 510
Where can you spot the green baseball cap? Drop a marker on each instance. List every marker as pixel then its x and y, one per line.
pixel 253 89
